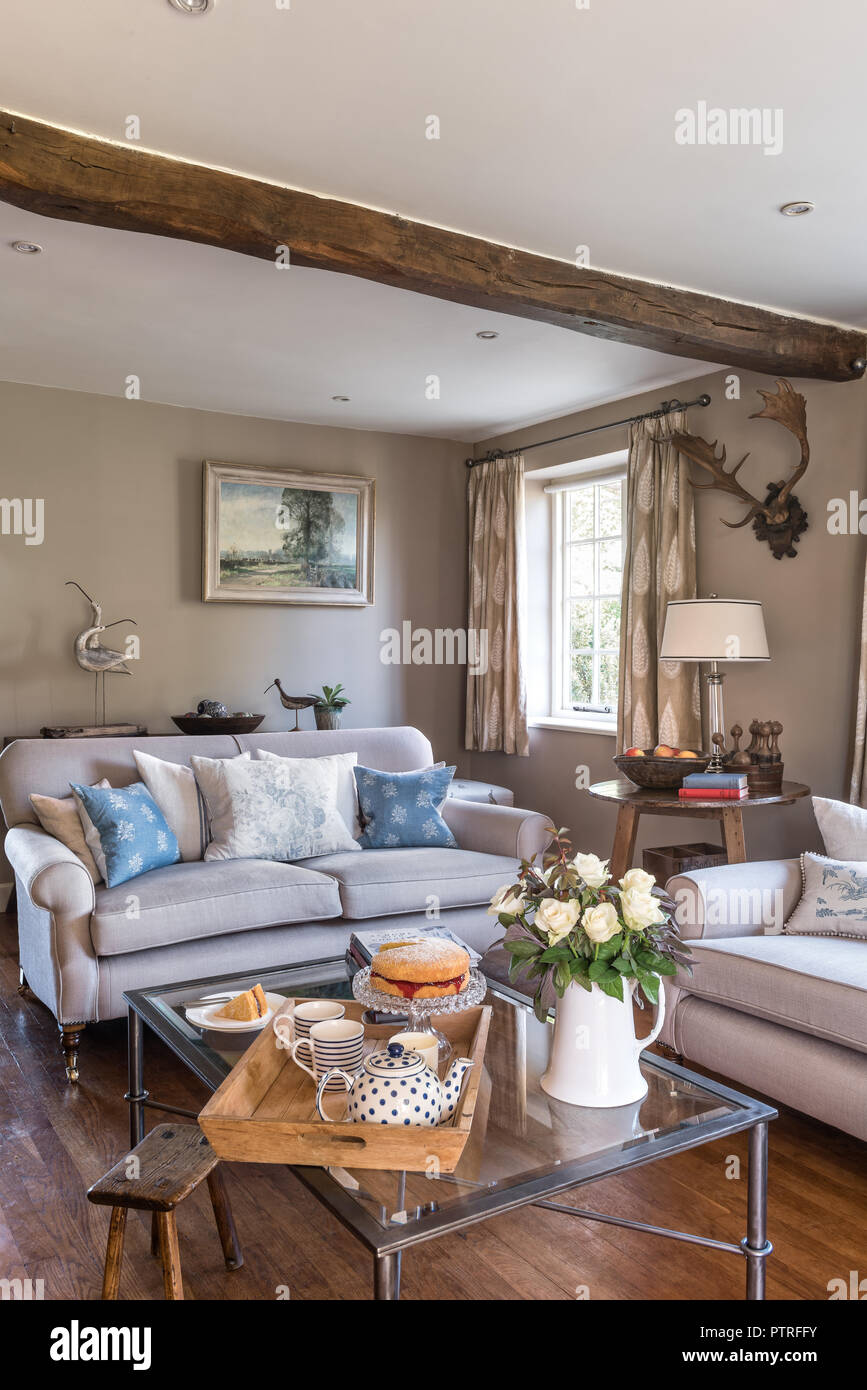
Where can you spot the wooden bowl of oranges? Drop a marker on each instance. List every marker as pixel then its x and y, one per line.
pixel 662 768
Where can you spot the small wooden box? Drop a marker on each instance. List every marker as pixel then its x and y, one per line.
pixel 666 861
pixel 765 779
pixel 265 1110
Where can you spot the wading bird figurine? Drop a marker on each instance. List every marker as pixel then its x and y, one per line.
pixel 779 519
pixel 293 702
pixel 92 656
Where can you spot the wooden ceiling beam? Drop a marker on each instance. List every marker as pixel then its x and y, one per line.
pixel 58 173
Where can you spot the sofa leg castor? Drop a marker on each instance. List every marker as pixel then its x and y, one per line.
pixel 70 1038
pixel 670 1053
pixel 23 987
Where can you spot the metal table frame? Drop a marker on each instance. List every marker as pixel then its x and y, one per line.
pixel 386 1244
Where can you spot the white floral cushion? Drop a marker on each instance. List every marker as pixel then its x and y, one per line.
pixel 834 901
pixel 347 792
pixel 284 808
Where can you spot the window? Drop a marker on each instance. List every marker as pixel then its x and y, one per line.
pixel 590 534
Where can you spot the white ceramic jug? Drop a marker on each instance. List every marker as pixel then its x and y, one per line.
pixel 594 1055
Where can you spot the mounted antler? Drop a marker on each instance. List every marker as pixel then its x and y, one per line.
pixel 779 519
pixel 704 454
pixel 789 409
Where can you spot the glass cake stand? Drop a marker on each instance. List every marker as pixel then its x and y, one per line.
pixel 418 1011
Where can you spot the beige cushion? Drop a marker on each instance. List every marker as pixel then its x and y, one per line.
pixel 59 816
pixel 834 901
pixel 811 983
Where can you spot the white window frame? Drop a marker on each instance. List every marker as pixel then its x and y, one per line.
pixel 562 714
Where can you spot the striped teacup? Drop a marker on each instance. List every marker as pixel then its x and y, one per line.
pixel 308 1012
pixel 337 1042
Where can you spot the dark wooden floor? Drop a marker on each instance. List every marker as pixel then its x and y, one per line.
pixel 56 1139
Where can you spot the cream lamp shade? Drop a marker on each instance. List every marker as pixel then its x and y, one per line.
pixel 714 629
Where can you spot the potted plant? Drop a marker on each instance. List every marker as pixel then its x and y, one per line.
pixel 594 945
pixel 327 706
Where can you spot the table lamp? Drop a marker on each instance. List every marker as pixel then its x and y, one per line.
pixel 714 630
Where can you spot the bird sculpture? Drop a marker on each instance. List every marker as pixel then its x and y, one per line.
pixel 293 702
pixel 92 656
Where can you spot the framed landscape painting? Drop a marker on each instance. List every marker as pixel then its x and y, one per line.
pixel 273 535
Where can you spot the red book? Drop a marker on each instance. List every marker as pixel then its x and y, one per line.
pixel 710 794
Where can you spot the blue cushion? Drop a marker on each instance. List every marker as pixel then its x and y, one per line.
pixel 127 829
pixel 401 810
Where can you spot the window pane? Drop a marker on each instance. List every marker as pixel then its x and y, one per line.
pixel 582 679
pixel 609 623
pixel 590 583
pixel 581 514
pixel 608 679
pixel 610 509
pixel 610 567
pixel 581 626
pixel 581 563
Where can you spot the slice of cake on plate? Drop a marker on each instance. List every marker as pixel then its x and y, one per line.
pixel 247 1006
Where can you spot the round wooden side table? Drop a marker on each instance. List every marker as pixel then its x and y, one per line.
pixel 633 801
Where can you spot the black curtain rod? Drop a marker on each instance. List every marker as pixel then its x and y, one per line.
pixel 665 409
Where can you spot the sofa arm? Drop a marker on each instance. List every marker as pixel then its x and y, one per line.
pixel 52 876
pixel 736 899
pixel 478 825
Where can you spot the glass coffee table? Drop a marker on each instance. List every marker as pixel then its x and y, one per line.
pixel 525 1148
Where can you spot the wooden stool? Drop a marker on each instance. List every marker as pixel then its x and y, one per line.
pixel 155 1176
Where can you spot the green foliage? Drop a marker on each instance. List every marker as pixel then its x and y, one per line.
pixel 331 698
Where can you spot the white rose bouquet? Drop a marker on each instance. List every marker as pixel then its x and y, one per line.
pixel 568 923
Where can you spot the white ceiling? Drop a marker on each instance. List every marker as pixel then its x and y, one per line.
pixel 557 130
pixel 216 331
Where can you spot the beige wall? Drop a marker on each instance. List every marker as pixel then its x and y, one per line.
pixel 122 487
pixel 812 610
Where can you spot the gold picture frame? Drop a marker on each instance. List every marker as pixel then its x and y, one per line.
pixel 279 535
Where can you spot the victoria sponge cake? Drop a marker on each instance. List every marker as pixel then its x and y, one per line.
pixel 427 969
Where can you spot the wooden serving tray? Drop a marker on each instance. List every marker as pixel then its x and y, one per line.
pixel 265 1110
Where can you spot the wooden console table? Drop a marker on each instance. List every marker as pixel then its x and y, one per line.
pixel 634 801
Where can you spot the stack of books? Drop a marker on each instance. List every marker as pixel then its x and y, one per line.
pixel 714 786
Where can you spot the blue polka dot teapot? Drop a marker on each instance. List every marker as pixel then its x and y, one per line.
pixel 397 1087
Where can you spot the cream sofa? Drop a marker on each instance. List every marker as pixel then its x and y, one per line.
pixel 80 947
pixel 784 1015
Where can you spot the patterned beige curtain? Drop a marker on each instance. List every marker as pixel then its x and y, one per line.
pixel 858 780
pixel 659 701
pixel 496 695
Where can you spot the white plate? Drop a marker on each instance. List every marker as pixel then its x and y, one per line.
pixel 205 1016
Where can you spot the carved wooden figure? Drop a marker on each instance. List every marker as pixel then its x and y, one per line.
pixel 763 755
pixel 739 757
pixel 774 745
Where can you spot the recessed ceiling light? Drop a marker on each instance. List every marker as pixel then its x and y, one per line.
pixel 796 209
pixel 192 6
pixel 27 248
pixel 340 398
pixel 487 334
